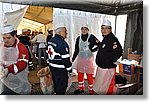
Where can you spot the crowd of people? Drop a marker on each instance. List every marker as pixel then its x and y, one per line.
pixel 17 55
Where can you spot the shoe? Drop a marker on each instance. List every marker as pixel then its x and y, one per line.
pixel 78 91
pixel 31 68
pixel 91 93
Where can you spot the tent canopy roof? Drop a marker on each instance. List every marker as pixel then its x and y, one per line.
pixel 113 7
pixel 39 14
pixel 30 24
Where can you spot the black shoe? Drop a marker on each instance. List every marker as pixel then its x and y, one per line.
pixel 91 93
pixel 31 68
pixel 76 92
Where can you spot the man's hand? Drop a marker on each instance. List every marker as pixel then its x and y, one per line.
pixel 69 74
pixel 3 72
pixel 71 60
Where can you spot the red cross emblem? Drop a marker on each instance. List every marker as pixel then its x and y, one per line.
pixel 50 52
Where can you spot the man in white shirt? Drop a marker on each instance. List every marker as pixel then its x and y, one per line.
pixel 41 48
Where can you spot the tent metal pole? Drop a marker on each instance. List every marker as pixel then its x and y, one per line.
pixel 115 24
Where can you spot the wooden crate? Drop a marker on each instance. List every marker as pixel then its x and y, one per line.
pixel 131 56
pixel 135 57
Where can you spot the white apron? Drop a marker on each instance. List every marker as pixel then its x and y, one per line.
pixel 85 63
pixel 102 80
pixel 19 82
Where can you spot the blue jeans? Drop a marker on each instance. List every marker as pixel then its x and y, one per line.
pixel 41 52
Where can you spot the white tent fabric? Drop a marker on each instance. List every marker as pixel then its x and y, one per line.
pixel 74 19
pixel 11 14
pixel 8 9
pixel 121 28
pixel 14 18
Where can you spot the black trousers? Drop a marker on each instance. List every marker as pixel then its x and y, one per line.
pixel 60 80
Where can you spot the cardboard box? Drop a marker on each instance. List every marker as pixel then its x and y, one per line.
pixel 129 69
pixel 135 57
pixel 140 69
pixel 131 78
pixel 140 77
pixel 131 56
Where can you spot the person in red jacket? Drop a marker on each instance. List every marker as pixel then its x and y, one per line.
pixel 13 64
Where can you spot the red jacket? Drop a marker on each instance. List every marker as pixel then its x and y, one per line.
pixel 23 58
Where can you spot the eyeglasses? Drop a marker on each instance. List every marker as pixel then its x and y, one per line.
pixel 84 29
pixel 105 28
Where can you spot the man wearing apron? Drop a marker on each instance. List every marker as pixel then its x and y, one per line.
pixel 109 51
pixel 13 64
pixel 85 64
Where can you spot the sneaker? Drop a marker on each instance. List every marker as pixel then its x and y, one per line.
pixel 78 91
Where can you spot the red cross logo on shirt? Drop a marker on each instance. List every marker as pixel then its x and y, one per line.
pixel 50 52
